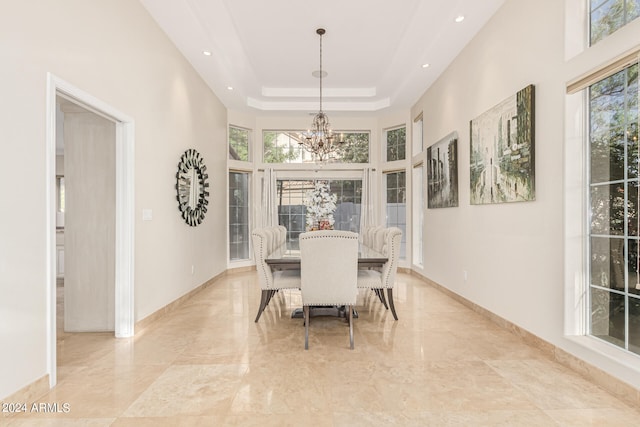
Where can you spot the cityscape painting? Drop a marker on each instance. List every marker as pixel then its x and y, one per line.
pixel 502 159
pixel 442 173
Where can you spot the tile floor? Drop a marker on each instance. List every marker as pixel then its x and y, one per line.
pixel 209 364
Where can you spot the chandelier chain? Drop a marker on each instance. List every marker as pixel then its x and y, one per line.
pixel 321 71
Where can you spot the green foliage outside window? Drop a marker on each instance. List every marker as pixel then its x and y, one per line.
pixel 614 195
pixel 284 147
pixel 275 153
pixel 607 16
pixel 355 148
pixel 396 144
pixel 238 144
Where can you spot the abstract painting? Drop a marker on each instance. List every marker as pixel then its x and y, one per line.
pixel 502 158
pixel 442 173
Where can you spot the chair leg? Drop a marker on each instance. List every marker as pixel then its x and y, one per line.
pixel 376 291
pixel 306 327
pixel 380 293
pixel 393 308
pixel 272 292
pixel 264 300
pixel 350 317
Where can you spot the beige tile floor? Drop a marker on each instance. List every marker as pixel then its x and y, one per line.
pixel 209 364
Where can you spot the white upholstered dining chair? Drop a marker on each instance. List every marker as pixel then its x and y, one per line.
pixel 386 277
pixel 270 281
pixel 328 272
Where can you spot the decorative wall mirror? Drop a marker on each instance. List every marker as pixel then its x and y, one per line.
pixel 192 187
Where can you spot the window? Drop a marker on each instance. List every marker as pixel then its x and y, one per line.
pixel 396 144
pixel 61 199
pixel 239 143
pixel 281 146
pixel 292 210
pixel 238 216
pixel 396 205
pixel 607 16
pixel 614 217
pixel 418 143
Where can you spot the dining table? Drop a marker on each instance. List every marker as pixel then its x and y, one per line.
pixel 288 258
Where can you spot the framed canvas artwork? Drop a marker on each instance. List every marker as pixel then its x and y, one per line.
pixel 502 157
pixel 442 173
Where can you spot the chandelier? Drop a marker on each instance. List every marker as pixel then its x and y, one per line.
pixel 320 140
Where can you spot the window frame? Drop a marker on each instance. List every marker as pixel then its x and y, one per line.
pixel 249 212
pixel 621 236
pixel 385 144
pixel 404 247
pixel 586 65
pixel 626 19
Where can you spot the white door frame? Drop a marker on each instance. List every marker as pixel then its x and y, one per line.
pixel 124 242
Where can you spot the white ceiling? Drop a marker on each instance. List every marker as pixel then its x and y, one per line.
pixel 373 50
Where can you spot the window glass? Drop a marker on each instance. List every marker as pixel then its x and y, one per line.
pixel 238 216
pixel 238 143
pixel 295 204
pixel 396 205
pixel 607 16
pixel 281 146
pixel 396 144
pixel 614 220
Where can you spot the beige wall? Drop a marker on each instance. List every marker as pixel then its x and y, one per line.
pixel 114 51
pixel 513 253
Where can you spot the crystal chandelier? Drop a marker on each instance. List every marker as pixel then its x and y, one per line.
pixel 319 140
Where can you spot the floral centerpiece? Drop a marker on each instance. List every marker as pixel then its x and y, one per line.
pixel 321 204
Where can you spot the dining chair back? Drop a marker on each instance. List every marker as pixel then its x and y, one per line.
pixel 270 281
pixel 384 278
pixel 379 238
pixel 282 236
pixel 328 272
pixel 365 235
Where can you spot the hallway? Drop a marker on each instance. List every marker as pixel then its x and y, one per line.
pixel 207 363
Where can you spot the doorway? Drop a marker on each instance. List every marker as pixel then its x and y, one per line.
pixel 85 219
pixel 123 246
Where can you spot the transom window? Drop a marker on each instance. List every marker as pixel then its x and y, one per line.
pixel 607 16
pixel 281 146
pixel 239 143
pixel 614 233
pixel 396 144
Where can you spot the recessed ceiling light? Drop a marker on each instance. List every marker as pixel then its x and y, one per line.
pixel 426 65
pixel 460 18
pixel 229 87
pixel 206 53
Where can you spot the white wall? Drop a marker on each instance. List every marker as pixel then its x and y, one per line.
pixel 513 253
pixel 113 50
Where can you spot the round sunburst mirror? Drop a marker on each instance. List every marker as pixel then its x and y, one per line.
pixel 192 187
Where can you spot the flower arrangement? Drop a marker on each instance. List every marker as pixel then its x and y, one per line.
pixel 321 204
